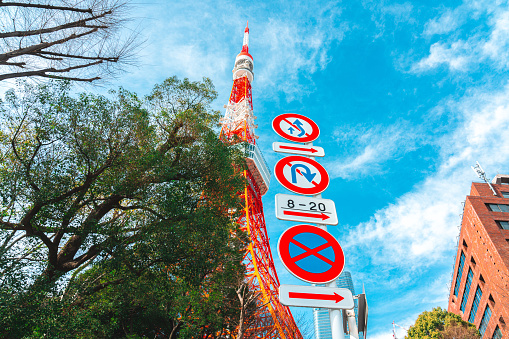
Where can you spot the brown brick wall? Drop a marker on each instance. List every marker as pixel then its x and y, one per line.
pixel 488 247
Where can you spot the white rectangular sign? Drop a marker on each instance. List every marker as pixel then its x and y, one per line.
pixel 313 296
pixel 306 209
pixel 311 151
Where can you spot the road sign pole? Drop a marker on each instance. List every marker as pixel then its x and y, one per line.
pixel 296 131
pixel 352 324
pixel 336 324
pixel 336 320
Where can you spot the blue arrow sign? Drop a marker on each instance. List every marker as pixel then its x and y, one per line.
pixel 307 174
pixel 299 126
pixel 291 130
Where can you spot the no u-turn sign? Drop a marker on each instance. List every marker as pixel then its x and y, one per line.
pixel 301 175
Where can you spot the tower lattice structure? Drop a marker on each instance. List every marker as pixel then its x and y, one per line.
pixel 273 319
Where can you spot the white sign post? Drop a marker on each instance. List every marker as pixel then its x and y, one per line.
pixel 306 209
pixel 301 174
pixel 313 296
pixel 283 147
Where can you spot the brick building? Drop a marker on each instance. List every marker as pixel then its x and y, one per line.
pixel 480 284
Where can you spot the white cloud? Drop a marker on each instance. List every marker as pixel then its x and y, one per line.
pixel 400 12
pixel 417 227
pixel 446 23
pixel 388 334
pixel 456 56
pixel 406 250
pixel 203 39
pixel 484 45
pixel 292 48
pixel 384 14
pixel 367 149
pixel 397 307
pixel 194 62
pixel 419 230
pixel 496 48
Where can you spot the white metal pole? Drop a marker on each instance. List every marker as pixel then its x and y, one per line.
pixel 352 324
pixel 336 324
pixel 336 320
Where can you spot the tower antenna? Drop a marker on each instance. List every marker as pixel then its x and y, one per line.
pixel 394 329
pixel 272 319
pixel 481 174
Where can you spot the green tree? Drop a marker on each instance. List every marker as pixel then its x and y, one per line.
pixel 440 324
pixel 117 214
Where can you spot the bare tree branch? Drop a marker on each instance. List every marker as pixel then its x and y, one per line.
pixel 41 46
pixel 39 39
pixel 44 73
pixel 79 23
pixel 113 59
pixel 61 8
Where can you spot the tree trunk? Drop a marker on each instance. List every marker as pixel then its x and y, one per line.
pixel 241 295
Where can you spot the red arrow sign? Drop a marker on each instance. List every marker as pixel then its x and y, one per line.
pixel 308 215
pixel 312 150
pixel 335 297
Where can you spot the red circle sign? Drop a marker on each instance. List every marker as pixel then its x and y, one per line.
pixel 336 262
pixel 295 127
pixel 301 175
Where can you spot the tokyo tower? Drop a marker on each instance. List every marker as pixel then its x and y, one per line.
pixel 274 319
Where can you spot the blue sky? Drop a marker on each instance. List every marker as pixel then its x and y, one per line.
pixel 408 95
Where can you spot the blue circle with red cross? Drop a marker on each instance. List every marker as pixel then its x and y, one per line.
pixel 311 254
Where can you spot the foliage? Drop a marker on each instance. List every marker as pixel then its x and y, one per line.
pixel 64 39
pixel 455 330
pixel 117 214
pixel 441 324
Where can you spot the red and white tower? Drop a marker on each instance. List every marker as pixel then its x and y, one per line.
pixel 276 321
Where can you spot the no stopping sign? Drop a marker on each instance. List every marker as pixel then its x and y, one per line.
pixel 311 254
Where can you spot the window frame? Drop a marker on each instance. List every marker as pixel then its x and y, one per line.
pixel 466 290
pixel 490 208
pixel 499 224
pixel 459 273
pixel 497 332
pixel 475 304
pixel 483 325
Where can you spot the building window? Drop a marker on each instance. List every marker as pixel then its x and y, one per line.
pixel 498 207
pixel 467 290
pixel 497 334
pixel 505 194
pixel 485 320
pixel 459 274
pixel 491 300
pixel 503 224
pixel 475 304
